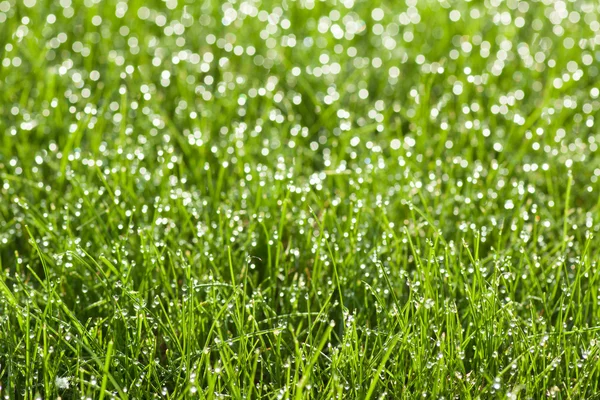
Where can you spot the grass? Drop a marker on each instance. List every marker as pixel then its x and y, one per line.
pixel 299 199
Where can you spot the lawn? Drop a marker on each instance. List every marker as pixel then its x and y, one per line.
pixel 299 199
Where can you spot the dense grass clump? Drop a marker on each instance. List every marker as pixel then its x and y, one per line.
pixel 299 199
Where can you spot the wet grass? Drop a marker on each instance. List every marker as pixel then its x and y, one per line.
pixel 299 199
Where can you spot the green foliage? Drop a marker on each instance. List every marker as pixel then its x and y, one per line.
pixel 299 199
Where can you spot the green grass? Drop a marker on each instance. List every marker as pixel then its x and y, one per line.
pixel 295 199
